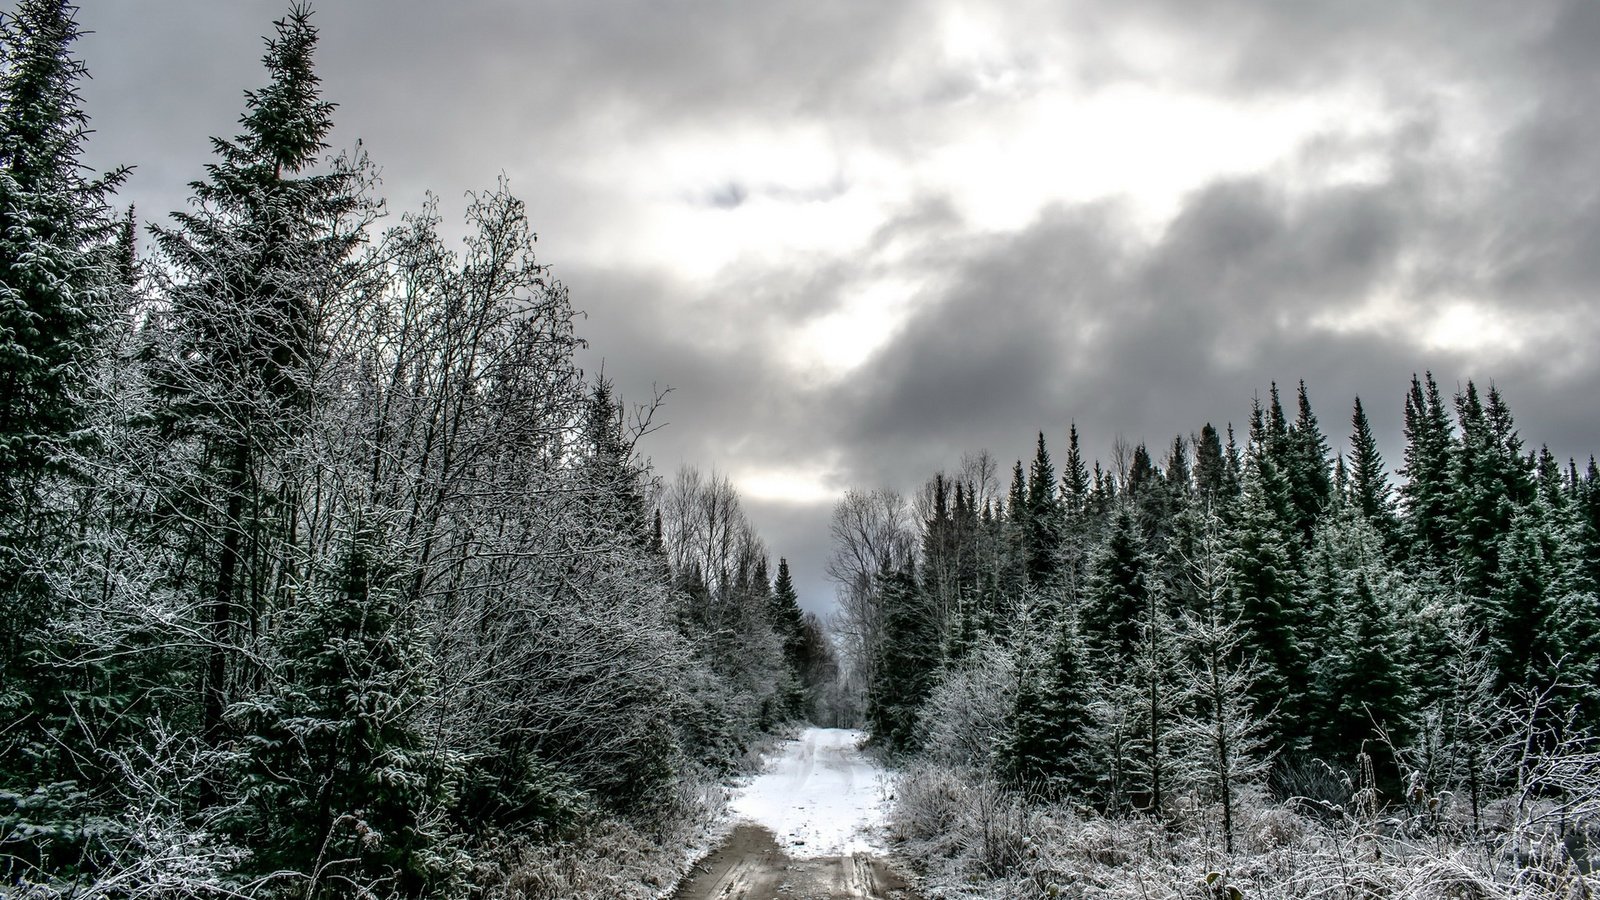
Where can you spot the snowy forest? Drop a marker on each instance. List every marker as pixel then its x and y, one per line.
pixel 326 571
pixel 1248 668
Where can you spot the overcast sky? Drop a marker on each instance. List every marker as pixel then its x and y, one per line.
pixel 859 238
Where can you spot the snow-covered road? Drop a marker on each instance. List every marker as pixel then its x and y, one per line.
pixel 821 796
pixel 809 825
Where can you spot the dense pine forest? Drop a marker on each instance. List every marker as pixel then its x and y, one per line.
pixel 1256 667
pixel 326 572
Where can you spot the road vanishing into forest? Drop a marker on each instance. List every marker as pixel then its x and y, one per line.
pixel 807 828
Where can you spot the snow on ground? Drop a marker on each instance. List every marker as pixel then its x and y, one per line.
pixel 820 797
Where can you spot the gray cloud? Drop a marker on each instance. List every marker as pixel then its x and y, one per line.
pixel 1483 141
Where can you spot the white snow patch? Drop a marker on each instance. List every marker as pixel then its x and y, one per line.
pixel 821 796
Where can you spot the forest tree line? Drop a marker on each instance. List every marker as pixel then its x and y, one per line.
pixel 1235 615
pixel 326 571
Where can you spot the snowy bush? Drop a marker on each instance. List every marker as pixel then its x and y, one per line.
pixel 965 715
pixel 971 838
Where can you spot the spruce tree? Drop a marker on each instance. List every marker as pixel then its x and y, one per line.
pixel 1049 745
pixel 1210 466
pixel 1075 481
pixel 1152 693
pixel 906 663
pixel 54 228
pixel 1224 736
pixel 1368 480
pixel 1366 674
pixel 1490 483
pixel 1427 493
pixel 1304 462
pixel 1119 586
pixel 614 500
pixel 340 778
pixel 1546 618
pixel 56 275
pixel 1265 579
pixel 1079 524
pixel 790 623
pixel 1044 521
pixel 266 242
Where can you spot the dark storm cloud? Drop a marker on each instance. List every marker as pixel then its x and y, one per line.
pixel 1067 320
pixel 1484 147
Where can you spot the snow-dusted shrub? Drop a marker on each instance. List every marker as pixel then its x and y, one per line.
pixel 611 859
pixel 971 839
pixel 150 848
pixel 965 715
pixel 929 803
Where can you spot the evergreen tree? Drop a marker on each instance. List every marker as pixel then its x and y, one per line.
pixel 265 244
pixel 1263 574
pixel 1490 483
pixel 1369 482
pixel 1210 466
pixel 1119 586
pixel 1153 695
pixel 1142 473
pixel 1223 734
pixel 1304 462
pixel 1075 483
pixel 907 662
pixel 615 500
pixel 942 552
pixel 1016 527
pixel 1049 745
pixel 1546 618
pixel 1044 520
pixel 790 623
pixel 1427 493
pixel 1460 725
pixel 54 229
pixel 56 275
pixel 1233 470
pixel 1364 670
pixel 339 777
pixel 1078 520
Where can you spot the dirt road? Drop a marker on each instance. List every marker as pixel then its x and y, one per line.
pixel 807 828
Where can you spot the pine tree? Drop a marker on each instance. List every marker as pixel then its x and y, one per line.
pixel 1049 745
pixel 1427 493
pixel 1263 574
pixel 1119 586
pixel 266 243
pixel 1224 736
pixel 1369 482
pixel 54 227
pixel 1304 462
pixel 1044 520
pixel 339 777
